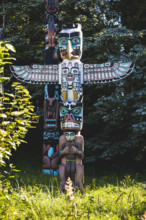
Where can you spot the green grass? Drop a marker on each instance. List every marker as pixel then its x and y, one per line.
pixel 32 195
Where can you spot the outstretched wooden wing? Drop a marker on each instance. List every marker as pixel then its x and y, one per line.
pixel 106 72
pixel 39 74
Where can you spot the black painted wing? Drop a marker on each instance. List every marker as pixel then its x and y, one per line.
pixel 106 72
pixel 40 74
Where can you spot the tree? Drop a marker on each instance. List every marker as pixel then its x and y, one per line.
pixel 119 113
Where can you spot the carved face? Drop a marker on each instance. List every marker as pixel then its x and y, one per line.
pixel 70 136
pixel 71 116
pixel 71 76
pixel 51 107
pixel 70 42
pixel 50 135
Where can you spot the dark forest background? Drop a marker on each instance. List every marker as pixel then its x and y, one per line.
pixel 114 113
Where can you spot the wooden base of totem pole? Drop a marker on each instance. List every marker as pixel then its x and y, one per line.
pixel 71 152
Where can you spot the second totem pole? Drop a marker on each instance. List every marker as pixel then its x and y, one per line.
pixel 63 102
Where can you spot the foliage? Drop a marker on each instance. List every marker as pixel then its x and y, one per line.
pixel 5 56
pixel 16 111
pixel 27 30
pixel 17 114
pixel 36 196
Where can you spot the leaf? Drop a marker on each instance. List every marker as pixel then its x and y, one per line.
pixel 15 84
pixel 4 63
pixel 8 113
pixel 22 128
pixel 26 91
pixel 3 132
pixel 5 122
pixel 3 115
pixel 17 113
pixel 8 94
pixel 24 141
pixel 8 153
pixel 9 58
pixel 22 135
pixel 6 99
pixel 2 79
pixel 11 125
pixel 1 69
pixel 11 47
pixel 20 122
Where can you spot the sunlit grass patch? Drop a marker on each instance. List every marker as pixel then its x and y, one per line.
pixel 28 198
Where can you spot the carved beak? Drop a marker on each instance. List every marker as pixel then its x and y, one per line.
pixel 69 50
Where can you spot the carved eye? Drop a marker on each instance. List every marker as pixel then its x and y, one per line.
pixel 74 70
pixel 75 40
pixel 63 111
pixel 76 111
pixel 64 41
pixel 72 134
pixel 65 71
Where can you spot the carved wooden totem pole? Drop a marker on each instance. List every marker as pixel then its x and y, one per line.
pixel 51 99
pixel 70 75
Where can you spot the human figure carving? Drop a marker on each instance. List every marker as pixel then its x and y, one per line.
pixel 71 152
pixel 50 157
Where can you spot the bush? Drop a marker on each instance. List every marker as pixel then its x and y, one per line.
pixel 16 110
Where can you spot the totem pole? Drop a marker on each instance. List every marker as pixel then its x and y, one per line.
pixel 70 74
pixel 51 99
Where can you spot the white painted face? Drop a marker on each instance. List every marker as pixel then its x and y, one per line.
pixel 70 136
pixel 70 42
pixel 71 79
pixel 71 73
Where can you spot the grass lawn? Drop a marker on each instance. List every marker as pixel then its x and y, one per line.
pixel 33 195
